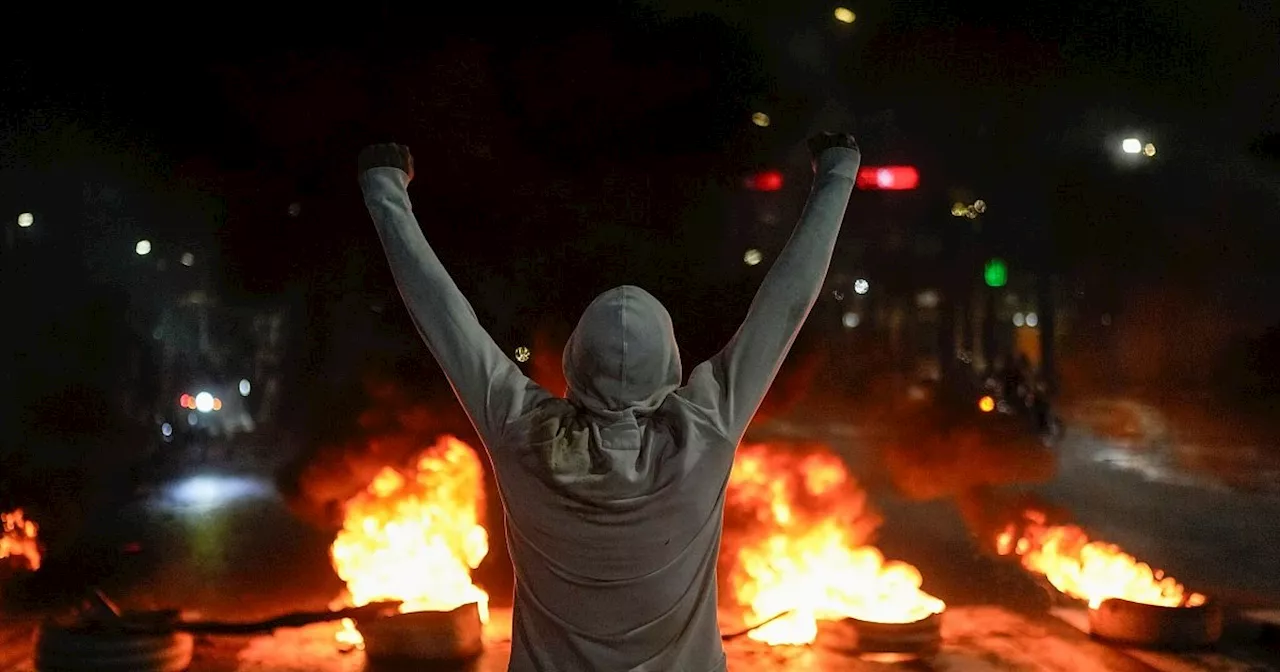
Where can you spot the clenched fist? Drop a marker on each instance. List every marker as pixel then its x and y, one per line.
pixel 824 141
pixel 388 155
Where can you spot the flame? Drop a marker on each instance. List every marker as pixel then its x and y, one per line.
pixel 1093 571
pixel 18 539
pixel 416 536
pixel 795 527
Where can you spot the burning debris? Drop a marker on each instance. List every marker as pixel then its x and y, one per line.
pixel 19 546
pixel 1088 570
pixel 796 527
pixel 416 535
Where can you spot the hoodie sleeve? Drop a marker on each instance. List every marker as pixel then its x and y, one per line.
pixel 490 386
pixel 731 385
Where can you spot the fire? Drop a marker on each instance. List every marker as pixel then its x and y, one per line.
pixel 1093 571
pixel 415 536
pixel 18 540
pixel 796 524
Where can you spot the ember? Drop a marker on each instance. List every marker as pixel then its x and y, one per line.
pixel 796 524
pixel 18 542
pixel 415 536
pixel 1092 571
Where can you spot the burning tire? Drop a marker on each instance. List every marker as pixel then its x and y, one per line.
pixel 921 639
pixel 423 636
pixel 1151 626
pixel 77 649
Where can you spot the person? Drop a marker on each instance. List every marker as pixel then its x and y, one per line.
pixel 614 494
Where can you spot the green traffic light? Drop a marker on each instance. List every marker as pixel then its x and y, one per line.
pixel 996 273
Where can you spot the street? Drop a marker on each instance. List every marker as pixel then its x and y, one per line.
pixel 225 546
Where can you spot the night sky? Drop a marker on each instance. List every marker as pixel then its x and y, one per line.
pixel 588 148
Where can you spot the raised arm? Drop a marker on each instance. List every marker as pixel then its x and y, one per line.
pixel 490 386
pixel 731 385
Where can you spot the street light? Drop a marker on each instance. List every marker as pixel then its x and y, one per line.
pixel 26 219
pixel 143 248
pixel 760 119
pixel 1131 146
pixel 845 15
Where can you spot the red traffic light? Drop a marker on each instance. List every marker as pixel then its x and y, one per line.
pixel 888 178
pixel 769 180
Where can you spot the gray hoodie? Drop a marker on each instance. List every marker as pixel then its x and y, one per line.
pixel 614 497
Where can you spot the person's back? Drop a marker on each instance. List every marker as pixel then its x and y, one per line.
pixel 614 496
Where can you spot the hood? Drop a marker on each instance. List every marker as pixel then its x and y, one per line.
pixel 622 355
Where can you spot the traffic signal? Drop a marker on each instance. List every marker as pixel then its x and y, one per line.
pixel 769 180
pixel 995 273
pixel 888 178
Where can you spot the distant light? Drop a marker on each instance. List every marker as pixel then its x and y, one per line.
pixel 523 354
pixel 769 180
pixel 245 387
pixel 958 209
pixel 1019 319
pixel 1131 146
pixel 204 402
pixel 186 401
pixel 166 429
pixel 188 259
pixel 845 15
pixel 861 286
pixel 927 299
pixel 888 178
pixel 1149 149
pixel 295 209
pixel 1106 319
pixel 760 119
pixel 986 404
pixel 752 257
pixel 192 419
pixel 217 404
pixel 851 320
pixel 995 273
pixel 1032 319
pixel 980 206
pixel 26 219
pixel 143 248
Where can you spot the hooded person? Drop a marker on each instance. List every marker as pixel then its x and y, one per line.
pixel 614 495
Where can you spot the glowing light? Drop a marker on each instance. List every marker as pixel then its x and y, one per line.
pixel 217 404
pixel 752 257
pixel 1149 149
pixel 26 219
pixel 245 387
pixel 760 119
pixel 1032 319
pixel 769 180
pixel 888 178
pixel 187 401
pixel 166 429
pixel 522 354
pixel 979 206
pixel 1018 320
pixel 143 248
pixel 995 273
pixel 958 209
pixel 204 402
pixel 851 320
pixel 986 404
pixel 861 286
pixel 1131 146
pixel 927 299
pixel 845 15
pixel 188 259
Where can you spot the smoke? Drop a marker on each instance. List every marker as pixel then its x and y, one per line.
pixel 395 427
